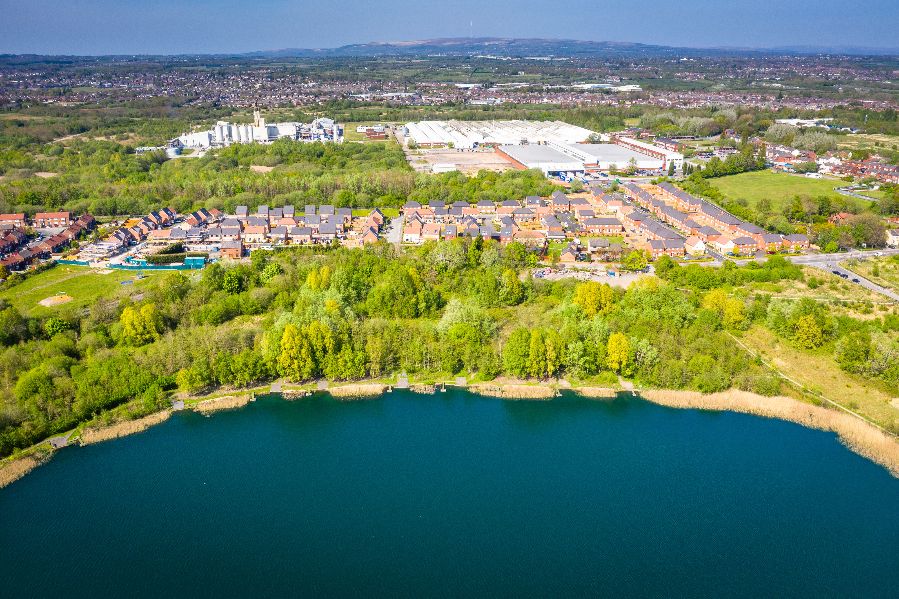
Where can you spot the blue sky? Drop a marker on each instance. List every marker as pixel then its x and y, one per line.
pixel 201 26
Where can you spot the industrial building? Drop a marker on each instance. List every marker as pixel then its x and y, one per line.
pixel 568 159
pixel 468 135
pixel 554 147
pixel 225 133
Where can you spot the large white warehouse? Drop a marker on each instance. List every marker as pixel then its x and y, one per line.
pixel 554 158
pixel 467 135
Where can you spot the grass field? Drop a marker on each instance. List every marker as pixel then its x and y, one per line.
pixel 867 140
pixel 779 188
pixel 83 284
pixel 874 195
pixel 817 371
pixel 350 133
pixel 841 297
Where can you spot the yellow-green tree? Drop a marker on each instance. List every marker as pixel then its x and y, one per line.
pixel 594 298
pixel 729 309
pixel 295 360
pixel 142 326
pixel 807 332
pixel 618 352
pixel 319 278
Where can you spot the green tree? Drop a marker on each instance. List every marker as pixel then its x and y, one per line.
pixel 53 326
pixel 196 377
pixel 511 290
pixel 730 311
pixel 853 351
pixel 537 355
pixel 13 327
pixel 232 282
pixel 635 260
pixel 516 352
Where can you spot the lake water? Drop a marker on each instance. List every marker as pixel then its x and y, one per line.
pixel 455 495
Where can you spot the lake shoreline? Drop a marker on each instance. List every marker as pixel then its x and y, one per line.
pixel 857 435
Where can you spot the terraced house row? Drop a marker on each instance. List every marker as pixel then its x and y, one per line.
pixel 533 221
pixel 698 219
pixel 19 250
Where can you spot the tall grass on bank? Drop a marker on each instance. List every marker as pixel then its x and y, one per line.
pixel 859 436
pixel 123 429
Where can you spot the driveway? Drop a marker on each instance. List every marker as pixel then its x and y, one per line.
pixel 394 233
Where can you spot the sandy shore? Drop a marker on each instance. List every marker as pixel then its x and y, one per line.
pixel 859 436
pixel 512 391
pixel 357 390
pixel 122 429
pixel 216 404
pixel 13 470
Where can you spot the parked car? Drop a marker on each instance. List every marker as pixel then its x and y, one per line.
pixel 856 281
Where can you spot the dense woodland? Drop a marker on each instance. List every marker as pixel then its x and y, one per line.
pixel 442 309
pixel 104 179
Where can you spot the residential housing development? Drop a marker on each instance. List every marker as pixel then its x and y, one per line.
pixel 19 248
pixel 211 232
pixel 660 219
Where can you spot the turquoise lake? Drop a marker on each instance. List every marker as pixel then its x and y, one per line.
pixel 455 495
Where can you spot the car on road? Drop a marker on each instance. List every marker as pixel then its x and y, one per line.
pixel 836 272
pixel 856 281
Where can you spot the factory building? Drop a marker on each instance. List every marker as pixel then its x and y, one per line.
pixel 666 156
pixel 566 160
pixel 225 133
pixel 469 135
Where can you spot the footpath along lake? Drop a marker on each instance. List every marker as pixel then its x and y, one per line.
pixel 454 495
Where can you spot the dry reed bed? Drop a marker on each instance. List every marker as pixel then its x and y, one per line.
pixel 597 392
pixel 19 467
pixel 123 429
pixel 357 391
pixel 514 391
pixel 216 404
pixel 859 436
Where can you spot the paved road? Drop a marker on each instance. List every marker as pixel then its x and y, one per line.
pixel 858 254
pixel 853 194
pixel 830 263
pixel 832 267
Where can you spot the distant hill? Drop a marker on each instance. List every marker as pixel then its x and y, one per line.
pixel 485 46
pixel 539 47
pixel 506 47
